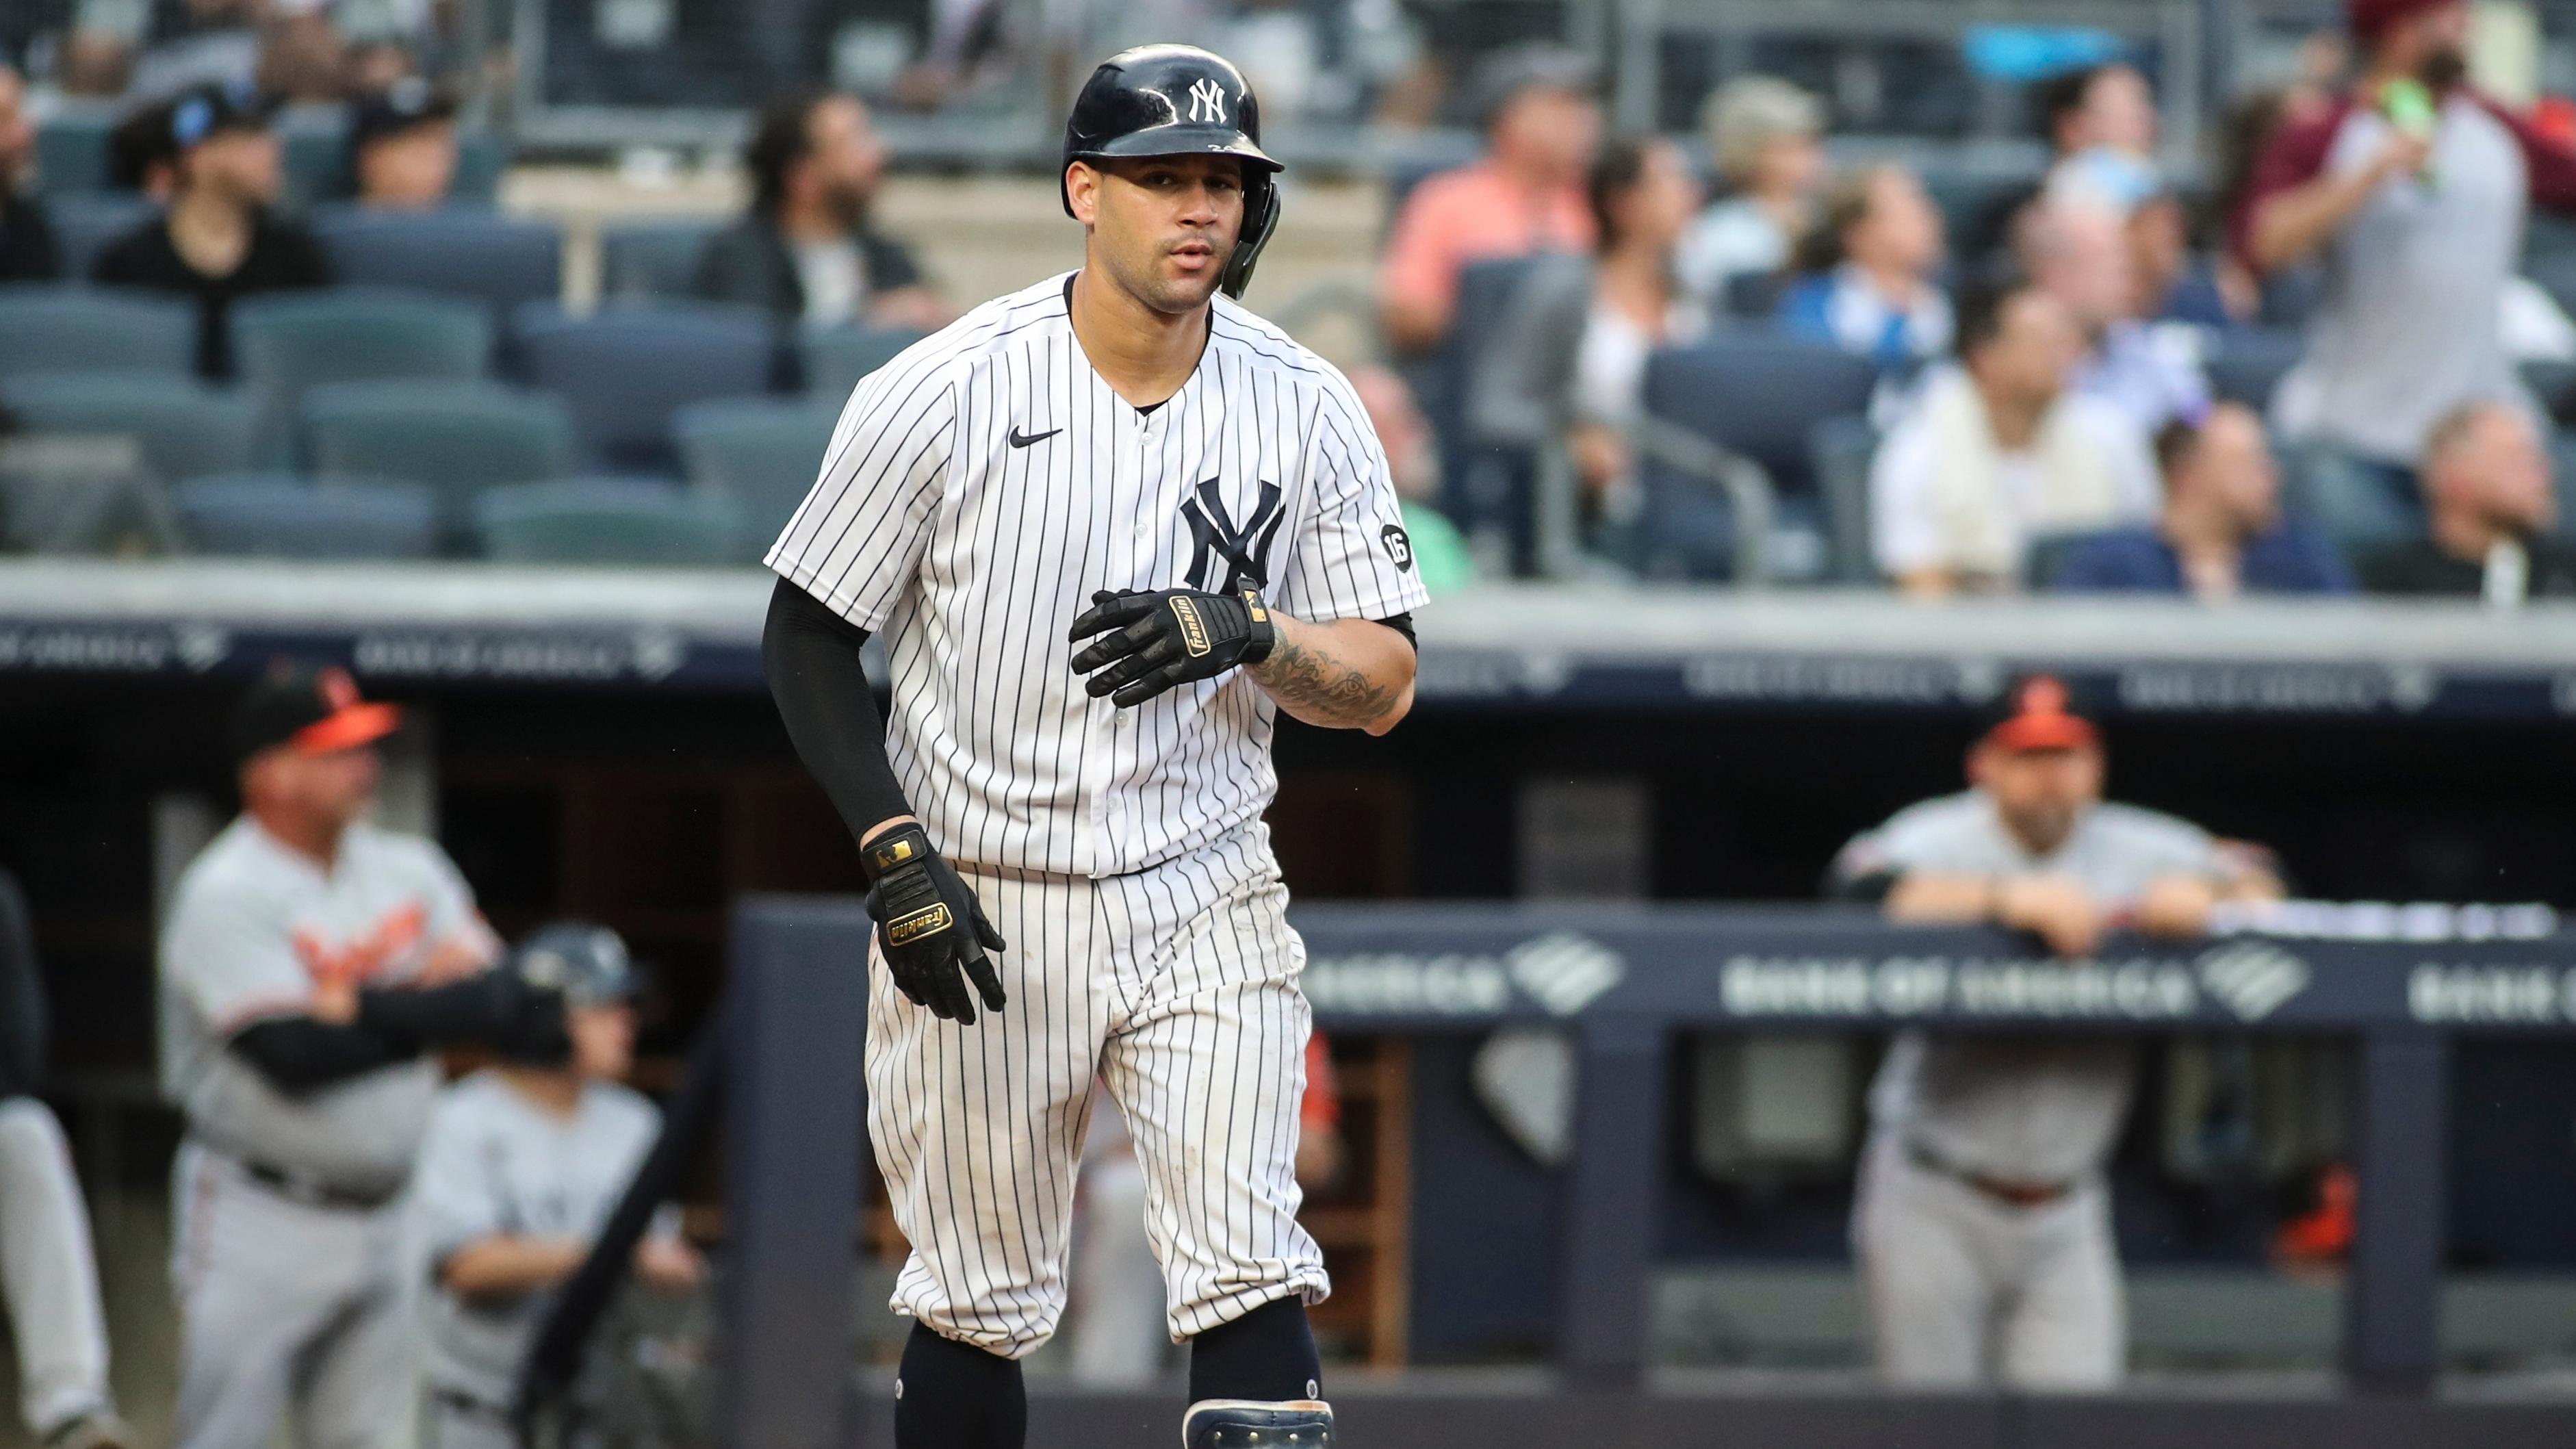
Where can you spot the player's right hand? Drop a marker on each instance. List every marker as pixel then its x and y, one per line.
pixel 930 927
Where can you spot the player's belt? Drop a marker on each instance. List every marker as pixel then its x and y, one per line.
pixel 2011 1192
pixel 312 1192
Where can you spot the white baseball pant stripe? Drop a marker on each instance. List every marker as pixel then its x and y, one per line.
pixel 1967 1291
pixel 48 1270
pixel 1177 987
pixel 287 1309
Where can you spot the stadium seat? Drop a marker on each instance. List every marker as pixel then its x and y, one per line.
pixel 279 515
pixel 459 252
pixel 626 370
pixel 1842 449
pixel 80 329
pixel 2251 361
pixel 482 159
pixel 84 226
pixel 1759 396
pixel 182 428
pixel 313 140
pixel 289 341
pixel 836 358
pixel 1484 490
pixel 761 453
pixel 72 148
pixel 458 438
pixel 645 260
pixel 607 521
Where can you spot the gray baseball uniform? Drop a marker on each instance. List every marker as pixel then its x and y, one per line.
pixel 47 1268
pixel 496 1164
pixel 286 1258
pixel 1963 1286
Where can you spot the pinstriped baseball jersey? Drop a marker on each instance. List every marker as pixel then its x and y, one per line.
pixel 983 484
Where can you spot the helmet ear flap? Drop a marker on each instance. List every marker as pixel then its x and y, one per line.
pixel 1260 218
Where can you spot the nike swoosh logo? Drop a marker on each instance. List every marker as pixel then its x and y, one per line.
pixel 1017 441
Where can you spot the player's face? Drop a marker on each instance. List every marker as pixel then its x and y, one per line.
pixel 603 1041
pixel 2039 793
pixel 327 791
pixel 1161 226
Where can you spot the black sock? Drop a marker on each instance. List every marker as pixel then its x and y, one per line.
pixel 955 1396
pixel 1267 1355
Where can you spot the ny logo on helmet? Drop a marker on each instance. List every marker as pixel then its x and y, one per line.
pixel 1207 103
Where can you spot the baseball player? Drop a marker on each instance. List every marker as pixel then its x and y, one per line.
pixel 47 1269
pixel 1982 1224
pixel 522 1164
pixel 1108 527
pixel 308 963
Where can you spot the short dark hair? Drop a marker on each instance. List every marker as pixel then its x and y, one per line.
pixel 1615 172
pixel 784 137
pixel 2176 441
pixel 2063 95
pixel 1982 300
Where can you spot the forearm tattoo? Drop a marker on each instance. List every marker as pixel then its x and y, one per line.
pixel 1314 685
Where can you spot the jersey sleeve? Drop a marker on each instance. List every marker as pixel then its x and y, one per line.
pixel 1351 558
pixel 856 541
pixel 231 959
pixel 452 1200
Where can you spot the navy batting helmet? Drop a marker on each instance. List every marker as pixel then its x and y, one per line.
pixel 1178 100
pixel 587 963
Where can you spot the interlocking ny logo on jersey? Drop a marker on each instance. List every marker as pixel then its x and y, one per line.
pixel 1213 535
pixel 1207 104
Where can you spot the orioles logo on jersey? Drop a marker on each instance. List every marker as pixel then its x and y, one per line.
pixel 1214 536
pixel 366 955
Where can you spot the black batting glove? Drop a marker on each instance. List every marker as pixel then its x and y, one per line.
pixel 930 927
pixel 1167 637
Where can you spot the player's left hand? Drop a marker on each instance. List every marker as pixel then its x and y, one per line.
pixel 1167 637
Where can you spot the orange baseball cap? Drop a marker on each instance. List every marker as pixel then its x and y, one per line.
pixel 313 709
pixel 2039 714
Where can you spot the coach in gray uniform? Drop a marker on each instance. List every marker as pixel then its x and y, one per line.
pixel 308 964
pixel 1983 1226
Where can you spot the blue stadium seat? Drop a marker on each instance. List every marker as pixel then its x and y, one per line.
pixel 1842 449
pixel 81 329
pixel 86 224
pixel 313 142
pixel 482 159
pixel 458 438
pixel 835 358
pixel 462 252
pixel 1484 491
pixel 1758 395
pixel 71 148
pixel 645 260
pixel 607 521
pixel 626 370
pixel 287 342
pixel 279 515
pixel 2251 361
pixel 761 453
pixel 181 427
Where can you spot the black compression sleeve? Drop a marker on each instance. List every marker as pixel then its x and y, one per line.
pixel 1403 624
pixel 22 997
pixel 812 658
pixel 476 1010
pixel 298 1054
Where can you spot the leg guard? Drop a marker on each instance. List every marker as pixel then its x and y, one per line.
pixel 1243 1424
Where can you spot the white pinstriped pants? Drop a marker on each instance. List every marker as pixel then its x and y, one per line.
pixel 1177 986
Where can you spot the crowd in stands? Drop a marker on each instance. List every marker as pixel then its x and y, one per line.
pixel 2304 377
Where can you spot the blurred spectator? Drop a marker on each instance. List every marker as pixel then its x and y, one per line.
pixel 1998 450
pixel 1766 137
pixel 2077 252
pixel 214 43
pixel 2489 508
pixel 218 240
pixel 2413 188
pixel 2101 124
pixel 1524 197
pixel 519 1170
pixel 141 157
pixel 402 147
pixel 48 1268
pixel 2221 533
pixel 302 59
pixel 26 236
pixel 1643 196
pixel 1982 1222
pixel 1440 554
pixel 94 63
pixel 1870 272
pixel 2171 282
pixel 807 251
